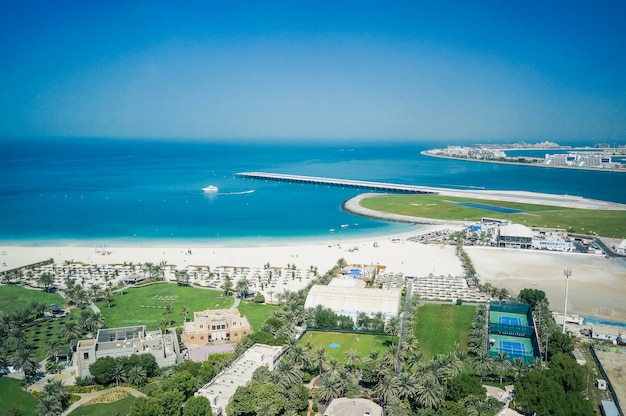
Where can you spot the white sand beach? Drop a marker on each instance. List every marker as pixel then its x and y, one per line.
pixel 597 286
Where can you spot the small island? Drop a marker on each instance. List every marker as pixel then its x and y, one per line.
pixel 598 157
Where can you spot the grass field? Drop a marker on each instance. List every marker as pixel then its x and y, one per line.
pixel 12 297
pixel 438 327
pixel 584 221
pixel 145 305
pixel 363 343
pixel 256 313
pixel 13 397
pixel 120 407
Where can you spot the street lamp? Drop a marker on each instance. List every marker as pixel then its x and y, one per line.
pixel 567 273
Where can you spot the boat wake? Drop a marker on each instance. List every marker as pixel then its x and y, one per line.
pixel 237 193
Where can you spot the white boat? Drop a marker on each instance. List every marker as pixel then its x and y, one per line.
pixel 211 189
pixel 345 225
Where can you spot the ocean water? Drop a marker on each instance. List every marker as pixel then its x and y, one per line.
pixel 106 191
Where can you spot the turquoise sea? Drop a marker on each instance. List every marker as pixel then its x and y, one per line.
pixel 111 191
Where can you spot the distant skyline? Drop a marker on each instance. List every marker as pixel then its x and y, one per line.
pixel 442 71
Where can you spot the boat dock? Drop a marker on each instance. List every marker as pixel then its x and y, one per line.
pixel 344 183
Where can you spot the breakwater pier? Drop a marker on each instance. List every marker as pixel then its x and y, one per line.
pixel 571 201
pixel 344 183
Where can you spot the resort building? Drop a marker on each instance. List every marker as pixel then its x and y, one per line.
pixel 122 342
pixel 350 301
pixel 621 249
pixel 515 236
pixel 222 388
pixel 216 326
pixel 353 407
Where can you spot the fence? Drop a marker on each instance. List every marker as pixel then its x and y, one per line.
pixel 511 307
pixel 511 330
pixel 606 378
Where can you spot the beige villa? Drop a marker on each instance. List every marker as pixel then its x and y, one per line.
pixel 216 326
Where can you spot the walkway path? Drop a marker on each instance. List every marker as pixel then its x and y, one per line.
pixel 86 397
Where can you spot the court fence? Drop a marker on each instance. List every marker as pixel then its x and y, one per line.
pixel 511 307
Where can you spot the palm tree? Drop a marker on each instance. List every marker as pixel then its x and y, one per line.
pixel 70 331
pixel 266 408
pixel 184 312
pixel 320 359
pixel 48 406
pixel 16 336
pixel 165 322
pixel 24 360
pixel 52 347
pixel 412 360
pixel 410 344
pixel 95 291
pixel 57 391
pixel 333 365
pixel 361 318
pixel 406 385
pixel 227 286
pixel 352 358
pixel 520 366
pixel 46 280
pixel 93 322
pixel 429 393
pixel 118 374
pixel 388 388
pixel 483 364
pixel 137 375
pixel 289 374
pixel 243 287
pixel 330 389
pixel 393 328
pixel 502 364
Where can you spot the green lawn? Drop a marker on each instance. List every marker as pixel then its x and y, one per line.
pixel 256 313
pixel 438 327
pixel 120 407
pixel 585 221
pixel 12 297
pixel 144 305
pixel 363 343
pixel 12 396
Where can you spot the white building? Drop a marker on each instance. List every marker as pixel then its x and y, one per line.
pixel 122 342
pixel 350 301
pixel 221 389
pixel 621 249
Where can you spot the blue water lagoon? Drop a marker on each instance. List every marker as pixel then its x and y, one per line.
pixel 91 191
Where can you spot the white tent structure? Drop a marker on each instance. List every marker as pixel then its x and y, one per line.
pixel 350 301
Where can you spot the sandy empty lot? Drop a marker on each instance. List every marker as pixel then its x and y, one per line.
pixel 597 286
pixel 615 366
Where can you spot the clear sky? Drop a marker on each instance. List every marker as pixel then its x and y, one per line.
pixel 448 71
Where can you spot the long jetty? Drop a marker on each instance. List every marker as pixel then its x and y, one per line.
pixel 344 183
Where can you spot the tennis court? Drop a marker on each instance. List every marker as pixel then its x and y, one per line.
pixel 513 346
pixel 508 318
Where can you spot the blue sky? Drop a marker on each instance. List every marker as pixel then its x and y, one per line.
pixel 447 71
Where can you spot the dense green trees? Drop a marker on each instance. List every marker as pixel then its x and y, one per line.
pixel 136 369
pixel 548 392
pixel 197 406
pixel 532 296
